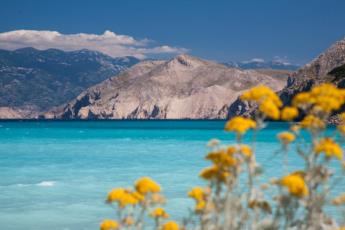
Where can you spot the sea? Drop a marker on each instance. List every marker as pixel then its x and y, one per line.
pixel 56 174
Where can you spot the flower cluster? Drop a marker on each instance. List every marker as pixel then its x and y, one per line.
pixel 240 125
pixel 324 98
pixel 267 100
pixel 200 196
pixel 286 137
pixel 124 197
pixel 295 184
pixel 109 225
pixel 329 147
pixel 289 113
pixel 132 206
pixel 233 197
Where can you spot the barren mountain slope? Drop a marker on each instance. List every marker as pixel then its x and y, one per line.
pixel 182 88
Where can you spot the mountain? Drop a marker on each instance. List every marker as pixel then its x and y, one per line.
pixel 33 81
pixel 327 67
pixel 257 63
pixel 184 87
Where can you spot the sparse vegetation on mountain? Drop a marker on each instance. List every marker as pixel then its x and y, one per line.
pixel 184 87
pixel 33 81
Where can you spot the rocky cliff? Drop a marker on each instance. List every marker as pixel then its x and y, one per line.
pixel 327 67
pixel 182 88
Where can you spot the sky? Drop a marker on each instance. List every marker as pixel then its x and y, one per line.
pixel 221 30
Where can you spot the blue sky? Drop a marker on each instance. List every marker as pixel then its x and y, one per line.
pixel 217 30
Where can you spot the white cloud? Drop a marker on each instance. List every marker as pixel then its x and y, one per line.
pixel 257 60
pixel 254 60
pixel 110 43
pixel 283 60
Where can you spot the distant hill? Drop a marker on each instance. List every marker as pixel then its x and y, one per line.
pixel 184 87
pixel 32 81
pixel 261 64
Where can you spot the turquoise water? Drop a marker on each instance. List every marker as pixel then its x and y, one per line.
pixel 56 175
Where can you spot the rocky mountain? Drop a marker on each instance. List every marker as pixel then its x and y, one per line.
pixel 327 67
pixel 257 63
pixel 32 81
pixel 184 87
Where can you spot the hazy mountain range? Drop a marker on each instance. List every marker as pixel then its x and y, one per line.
pixel 33 81
pixel 258 63
pixel 90 85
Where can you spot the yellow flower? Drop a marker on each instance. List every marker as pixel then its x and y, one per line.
pixel 170 225
pixel 128 220
pixel 159 213
pixel 147 185
pixel 268 108
pixel 323 98
pixel 197 193
pixel 302 99
pixel 158 198
pixel 264 205
pixel 246 150
pixel 213 143
pixel 240 125
pixel 339 200
pixel 313 123
pixel 123 197
pixel 221 158
pixel 260 94
pixel 138 196
pixel 328 97
pixel 295 185
pixel 128 199
pixel 200 205
pixel 329 148
pixel 289 113
pixel 109 225
pixel 295 128
pixel 342 117
pixel 115 194
pixel 231 150
pixel 286 137
pixel 214 172
pixel 341 129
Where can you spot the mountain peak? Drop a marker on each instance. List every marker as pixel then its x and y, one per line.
pixel 186 61
pixel 331 58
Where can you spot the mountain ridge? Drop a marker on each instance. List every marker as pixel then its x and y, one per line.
pixel 184 87
pixel 32 80
pixel 262 64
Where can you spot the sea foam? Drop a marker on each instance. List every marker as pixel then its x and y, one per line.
pixel 46 183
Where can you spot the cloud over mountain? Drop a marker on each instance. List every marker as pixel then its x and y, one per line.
pixel 110 43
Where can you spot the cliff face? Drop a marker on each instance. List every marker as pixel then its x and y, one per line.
pixel 182 88
pixel 327 67
pixel 321 69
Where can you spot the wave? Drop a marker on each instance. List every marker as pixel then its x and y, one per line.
pixel 46 183
pixel 40 184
